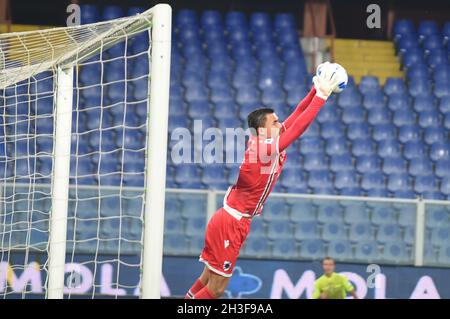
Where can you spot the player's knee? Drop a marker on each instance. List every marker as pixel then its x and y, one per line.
pixel 218 291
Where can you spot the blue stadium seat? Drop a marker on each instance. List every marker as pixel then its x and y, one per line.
pixel 173 226
pixel 275 209
pixel 258 227
pixel 413 55
pixel 345 179
pixel 367 163
pixel 349 98
pixel 409 133
pixel 341 162
pixel 389 148
pixel 394 165
pixel 403 26
pixel 369 84
pixel 361 231
pixel 443 256
pixel 340 250
pixel 427 28
pixel 358 131
pixel 414 149
pixel 373 180
pixel 418 71
pixel 398 101
pixel 302 211
pixel 336 145
pixel 333 231
pixel 366 251
pixel 319 179
pixel 312 249
pixel 175 244
pixel 306 230
pixel 279 229
pixel 284 248
pixel 419 87
pixel 423 103
pixel 353 115
pixel 440 235
pixel 89 13
pixel 432 42
pixel 429 118
pixel 424 183
pixel 389 233
pixel 384 215
pixel 440 150
pixel 379 116
pixel 375 101
pixel 445 187
pixel 355 212
pixel 256 247
pixel 444 104
pixel 420 167
pixel 394 86
pixel 363 146
pixel 384 131
pixel 396 252
pixel 437 217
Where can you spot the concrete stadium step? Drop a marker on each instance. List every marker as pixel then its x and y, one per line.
pixel 367 57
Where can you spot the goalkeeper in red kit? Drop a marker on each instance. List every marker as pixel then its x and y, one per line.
pixel 263 161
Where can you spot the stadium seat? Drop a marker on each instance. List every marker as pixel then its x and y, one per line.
pixel 394 86
pixel 340 250
pixel 368 163
pixel 409 133
pixel 389 233
pixel 437 217
pixel 366 251
pixel 444 255
pixel 312 249
pixel 420 167
pixel 333 231
pixel 306 230
pixel 384 131
pixel 275 210
pixel 279 229
pixel 396 252
pixel 424 183
pixel 285 249
pixel 256 247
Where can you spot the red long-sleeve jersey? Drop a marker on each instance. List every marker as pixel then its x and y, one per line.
pixel 264 160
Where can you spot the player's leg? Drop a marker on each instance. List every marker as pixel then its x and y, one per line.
pixel 215 288
pixel 201 282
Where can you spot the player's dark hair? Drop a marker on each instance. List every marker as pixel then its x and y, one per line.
pixel 257 118
pixel 327 258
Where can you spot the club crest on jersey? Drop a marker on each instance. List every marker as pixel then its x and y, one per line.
pixel 226 265
pixel 226 243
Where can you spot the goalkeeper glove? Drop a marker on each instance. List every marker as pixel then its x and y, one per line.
pixel 325 82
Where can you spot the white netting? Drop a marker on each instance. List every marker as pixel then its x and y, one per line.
pixel 108 151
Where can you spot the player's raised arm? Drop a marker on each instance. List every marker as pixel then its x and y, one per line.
pixel 323 89
pixel 300 108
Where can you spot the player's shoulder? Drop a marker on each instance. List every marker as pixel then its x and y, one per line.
pixel 340 277
pixel 320 280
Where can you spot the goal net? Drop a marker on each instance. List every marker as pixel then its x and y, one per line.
pixel 83 134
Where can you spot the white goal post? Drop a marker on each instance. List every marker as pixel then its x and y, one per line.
pixel 89 80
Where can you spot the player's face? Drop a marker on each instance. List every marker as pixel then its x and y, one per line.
pixel 328 266
pixel 272 127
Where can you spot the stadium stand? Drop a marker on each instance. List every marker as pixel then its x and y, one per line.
pixel 370 140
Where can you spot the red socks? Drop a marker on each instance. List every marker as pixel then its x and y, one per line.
pixel 204 293
pixel 196 287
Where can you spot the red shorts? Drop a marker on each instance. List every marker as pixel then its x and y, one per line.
pixel 224 237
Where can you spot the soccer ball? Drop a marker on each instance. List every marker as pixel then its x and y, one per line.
pixel 334 70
